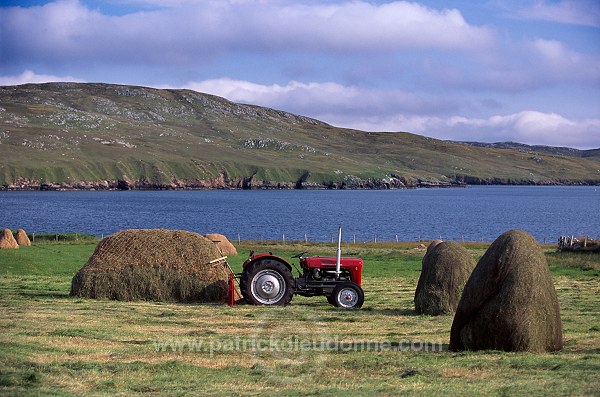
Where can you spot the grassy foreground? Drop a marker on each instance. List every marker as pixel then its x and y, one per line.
pixel 51 344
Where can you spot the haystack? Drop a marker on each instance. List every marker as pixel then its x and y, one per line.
pixel 223 243
pixel 509 302
pixel 22 238
pixel 432 245
pixel 7 240
pixel 446 269
pixel 153 264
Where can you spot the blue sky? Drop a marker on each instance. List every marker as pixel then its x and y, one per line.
pixel 525 71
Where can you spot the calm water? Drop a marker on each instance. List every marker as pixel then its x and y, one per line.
pixel 475 213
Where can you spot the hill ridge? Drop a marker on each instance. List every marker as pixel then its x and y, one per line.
pixel 110 136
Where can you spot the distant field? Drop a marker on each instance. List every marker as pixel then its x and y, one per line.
pixel 52 344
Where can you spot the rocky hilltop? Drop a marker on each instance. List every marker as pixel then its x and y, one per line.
pixel 60 136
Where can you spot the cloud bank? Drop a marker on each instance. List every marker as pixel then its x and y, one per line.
pixel 29 76
pixel 210 28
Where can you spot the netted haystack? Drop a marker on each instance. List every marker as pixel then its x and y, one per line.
pixel 153 264
pixel 22 238
pixel 446 269
pixel 223 243
pixel 7 240
pixel 509 302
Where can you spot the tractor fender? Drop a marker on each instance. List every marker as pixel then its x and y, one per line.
pixel 259 257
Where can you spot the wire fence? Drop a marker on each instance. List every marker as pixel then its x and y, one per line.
pixel 373 238
pixel 296 237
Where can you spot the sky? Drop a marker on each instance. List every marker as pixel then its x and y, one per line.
pixel 490 71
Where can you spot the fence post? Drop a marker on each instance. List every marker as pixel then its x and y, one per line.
pixel 33 237
pixel 305 238
pixel 239 239
pixel 283 237
pixel 56 237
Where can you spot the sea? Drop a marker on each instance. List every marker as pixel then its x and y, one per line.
pixel 475 213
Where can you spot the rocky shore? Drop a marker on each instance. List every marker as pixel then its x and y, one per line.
pixel 248 183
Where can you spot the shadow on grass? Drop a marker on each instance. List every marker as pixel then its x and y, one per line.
pixel 392 312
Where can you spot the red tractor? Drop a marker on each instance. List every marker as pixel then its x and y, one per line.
pixel 267 279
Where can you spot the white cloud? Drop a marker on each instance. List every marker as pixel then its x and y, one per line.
pixel 518 67
pixel 528 126
pixel 30 77
pixel 198 31
pixel 318 99
pixel 574 12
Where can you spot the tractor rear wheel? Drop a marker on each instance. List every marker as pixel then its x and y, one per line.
pixel 267 282
pixel 348 296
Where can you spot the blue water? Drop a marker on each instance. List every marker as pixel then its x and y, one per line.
pixel 474 214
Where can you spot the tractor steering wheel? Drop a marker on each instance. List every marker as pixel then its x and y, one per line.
pixel 300 255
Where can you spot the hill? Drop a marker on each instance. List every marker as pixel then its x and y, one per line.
pixel 87 135
pixel 561 151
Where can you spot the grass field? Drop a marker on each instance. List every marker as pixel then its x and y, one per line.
pixel 52 344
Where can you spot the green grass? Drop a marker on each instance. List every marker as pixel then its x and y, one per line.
pixel 52 344
pixel 46 258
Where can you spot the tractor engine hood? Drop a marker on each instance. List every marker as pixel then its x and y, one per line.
pixel 353 265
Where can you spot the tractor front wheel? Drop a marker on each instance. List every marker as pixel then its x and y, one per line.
pixel 347 295
pixel 267 282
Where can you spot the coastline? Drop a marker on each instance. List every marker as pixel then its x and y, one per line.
pixel 249 183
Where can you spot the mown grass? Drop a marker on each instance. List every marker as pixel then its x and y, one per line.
pixel 52 344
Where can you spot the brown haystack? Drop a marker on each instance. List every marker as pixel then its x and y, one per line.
pixel 432 245
pixel 7 240
pixel 153 264
pixel 509 302
pixel 22 238
pixel 446 269
pixel 223 243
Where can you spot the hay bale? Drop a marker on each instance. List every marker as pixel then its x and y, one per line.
pixel 153 264
pixel 432 245
pixel 509 302
pixel 446 269
pixel 223 243
pixel 7 240
pixel 22 238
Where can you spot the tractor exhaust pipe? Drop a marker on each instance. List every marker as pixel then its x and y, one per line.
pixel 338 259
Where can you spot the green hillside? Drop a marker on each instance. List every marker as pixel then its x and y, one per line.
pixel 108 136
